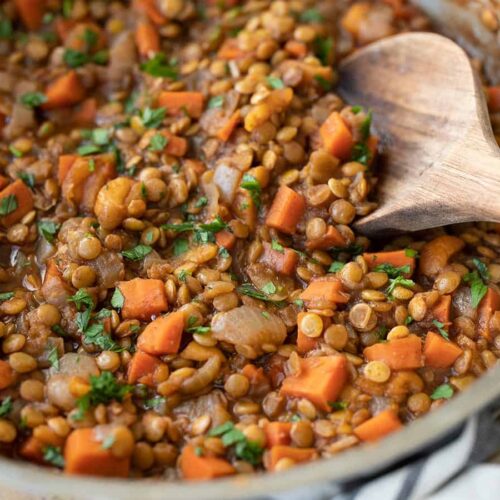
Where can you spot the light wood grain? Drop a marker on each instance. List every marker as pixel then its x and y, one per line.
pixel 441 164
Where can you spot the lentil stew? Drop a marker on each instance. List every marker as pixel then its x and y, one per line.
pixel 182 295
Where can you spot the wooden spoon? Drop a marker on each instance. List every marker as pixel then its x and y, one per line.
pixel 440 162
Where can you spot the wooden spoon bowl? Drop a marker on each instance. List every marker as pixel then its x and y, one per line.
pixel 441 164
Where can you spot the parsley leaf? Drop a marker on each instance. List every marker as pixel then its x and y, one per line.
pixel 275 245
pixel 410 252
pixel 27 178
pixel 477 288
pixel 251 184
pixel 108 442
pixel 154 403
pixel 201 202
pixel 117 299
pixel 275 82
pixel 336 266
pixel 8 204
pixel 158 142
pixel 399 281
pixel 366 126
pixel 6 406
pixel 159 67
pixel 482 268
pixel 138 252
pixel 181 246
pixel 153 118
pixel 215 226
pixel 323 48
pixel 100 136
pixel 74 58
pixel 338 405
pixel 88 149
pixel 6 30
pixel 48 229
pixel 179 228
pixel 361 153
pixel 216 101
pixel 269 288
pixel 53 358
pixel 33 99
pixel 325 84
pixel 6 296
pixel 311 16
pixel 53 456
pixel 82 298
pixel 251 291
pixel 444 391
pixel 392 271
pixel 441 330
pixel 200 330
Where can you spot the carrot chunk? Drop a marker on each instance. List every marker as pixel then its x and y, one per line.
pixel 397 258
pixel 143 298
pixel 438 352
pixel 230 50
pixel 31 12
pixel 282 261
pixel 325 289
pixel 399 354
pixel 304 343
pixel 332 238
pixel 66 90
pixel 85 113
pixel 255 375
pixel 378 426
pixel 336 136
pixel 493 96
pixel 225 239
pixel 441 310
pixel 286 211
pixel 32 449
pixel 276 453
pixel 197 468
pixel 176 146
pixel 141 368
pixel 178 102
pixel 487 308
pixel 225 132
pixel 163 335
pixel 149 8
pixel 6 375
pixel 83 454
pixel 319 380
pixel 16 200
pixel 64 165
pixel 146 38
pixel 297 49
pixel 277 433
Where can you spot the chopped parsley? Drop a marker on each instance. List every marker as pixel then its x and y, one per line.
pixel 48 229
pixel 361 153
pixel 154 403
pixel 158 142
pixel 6 30
pixel 392 271
pixel 323 49
pixel 53 357
pixel 108 442
pixel 325 84
pixel 251 184
pixel 201 202
pixel 410 252
pixel 88 149
pixel 82 298
pixel 6 406
pixel 15 152
pixel 138 252
pixel 216 101
pixel 158 66
pixel 299 303
pixel 153 118
pixel 275 82
pixel 183 275
pixel 181 246
pixel 444 391
pixel 117 299
pixel 269 288
pixel 251 291
pixel 336 266
pixel 8 204
pixel 200 330
pixel 275 245
pixel 399 281
pixel 27 178
pixel 476 279
pixel 53 456
pixel 6 296
pixel 33 99
pixel 440 328
pixel 311 16
pixel 338 405
pixel 179 228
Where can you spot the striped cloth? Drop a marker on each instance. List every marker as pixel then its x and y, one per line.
pixel 451 469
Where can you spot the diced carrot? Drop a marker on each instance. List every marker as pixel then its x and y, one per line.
pixel 325 289
pixel 32 449
pixel 85 113
pixel 85 177
pixel 63 27
pixel 178 102
pixel 255 375
pixel 197 165
pixel 4 181
pixel 76 39
pixel 176 146
pixel 297 49
pixel 225 239
pixel 332 238
pixel 66 90
pixel 304 343
pixel 277 433
pixel 146 38
pixel 378 426
pixel 64 165
pixel 149 8
pixel 84 454
pixel 31 12
pixel 493 95
pixel 143 298
pixel 438 352
pixel 286 211
pixel 441 311
pixel 399 354
pixel 230 50
pixel 163 335
pixel 319 380
pixel 198 468
pixel 19 196
pixel 486 310
pixel 142 368
pixel 298 455
pixel 282 261
pixel 336 136
pixel 6 375
pixel 225 132
pixel 398 258
pixel 354 16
